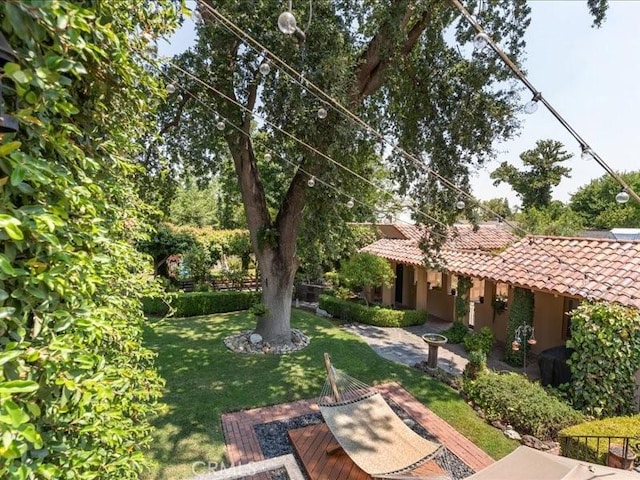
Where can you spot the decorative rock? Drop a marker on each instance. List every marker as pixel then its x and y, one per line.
pixel 255 338
pixel 479 412
pixel 533 442
pixel 512 434
pixel 322 313
pixel 409 422
pixel 244 343
pixel 497 424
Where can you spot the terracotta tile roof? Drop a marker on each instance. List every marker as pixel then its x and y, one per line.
pixel 487 237
pixel 460 250
pixel 593 268
pixel 401 251
pixel 598 269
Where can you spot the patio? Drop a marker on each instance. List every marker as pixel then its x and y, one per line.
pixel 242 431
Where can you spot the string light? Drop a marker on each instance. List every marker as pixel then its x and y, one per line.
pixel 265 68
pixel 171 88
pixel 622 197
pixel 350 203
pixel 532 106
pixel 460 204
pixel 356 119
pixel 586 153
pixel 267 157
pixel 521 76
pixel 480 41
pixel 531 239
pixel 311 182
pixel 287 23
pixel 322 113
pixel 220 125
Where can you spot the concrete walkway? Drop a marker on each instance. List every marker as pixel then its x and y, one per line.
pixel 406 346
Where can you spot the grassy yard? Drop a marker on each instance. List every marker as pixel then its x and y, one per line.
pixel 205 379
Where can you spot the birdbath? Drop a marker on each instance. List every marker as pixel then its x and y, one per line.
pixel 434 340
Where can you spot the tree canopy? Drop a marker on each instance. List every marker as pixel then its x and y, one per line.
pixel 543 171
pixel 595 203
pixel 403 67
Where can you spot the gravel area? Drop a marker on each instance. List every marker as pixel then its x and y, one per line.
pixel 274 440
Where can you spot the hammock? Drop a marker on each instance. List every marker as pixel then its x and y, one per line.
pixel 369 431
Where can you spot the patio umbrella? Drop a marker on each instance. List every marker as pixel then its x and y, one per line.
pixel 526 463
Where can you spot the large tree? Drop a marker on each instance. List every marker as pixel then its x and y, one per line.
pixel 395 64
pixel 596 204
pixel 542 172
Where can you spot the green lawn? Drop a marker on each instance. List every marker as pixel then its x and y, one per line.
pixel 205 379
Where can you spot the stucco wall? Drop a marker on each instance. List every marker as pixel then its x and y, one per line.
pixel 547 320
pixel 441 304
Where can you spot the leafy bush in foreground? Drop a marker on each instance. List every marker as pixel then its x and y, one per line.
pixel 76 385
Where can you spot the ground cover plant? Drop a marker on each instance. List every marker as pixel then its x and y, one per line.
pixel 204 379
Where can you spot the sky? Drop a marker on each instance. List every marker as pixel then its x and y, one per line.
pixel 590 76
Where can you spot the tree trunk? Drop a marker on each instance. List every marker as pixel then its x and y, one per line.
pixel 277 291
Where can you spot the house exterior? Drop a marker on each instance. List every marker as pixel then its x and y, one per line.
pixel 561 271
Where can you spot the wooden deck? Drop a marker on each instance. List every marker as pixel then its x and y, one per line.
pixel 312 444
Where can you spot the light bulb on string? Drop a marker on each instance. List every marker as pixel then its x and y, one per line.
pixel 322 113
pixel 532 106
pixel 622 197
pixel 287 23
pixel 220 125
pixel 265 68
pixel 171 88
pixel 460 204
pixel 587 153
pixel 480 41
pixel 350 203
pixel 311 182
pixel 267 157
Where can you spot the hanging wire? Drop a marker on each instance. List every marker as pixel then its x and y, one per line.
pixel 336 105
pixel 532 240
pixel 537 95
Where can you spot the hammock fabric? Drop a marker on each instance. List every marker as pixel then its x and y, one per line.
pixel 368 430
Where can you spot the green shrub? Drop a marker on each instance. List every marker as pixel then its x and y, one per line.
pixel 606 342
pixel 513 399
pixel 78 388
pixel 456 332
pixel 192 304
pixel 477 364
pixel 372 315
pixel 593 450
pixel 479 341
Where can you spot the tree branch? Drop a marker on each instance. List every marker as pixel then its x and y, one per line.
pixel 381 50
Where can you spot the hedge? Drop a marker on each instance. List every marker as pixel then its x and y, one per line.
pixel 192 304
pixel 371 315
pixel 593 451
pixel 528 407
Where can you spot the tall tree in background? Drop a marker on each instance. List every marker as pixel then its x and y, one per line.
pixel 543 171
pixel 498 205
pixel 595 203
pixel 392 63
